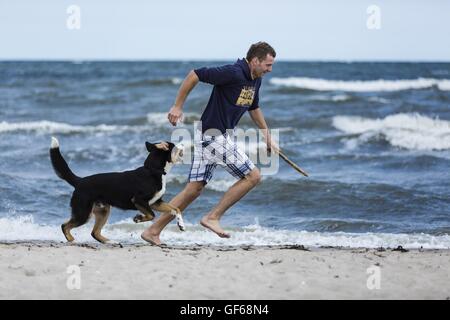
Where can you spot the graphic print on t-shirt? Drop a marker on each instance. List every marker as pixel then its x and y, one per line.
pixel 246 97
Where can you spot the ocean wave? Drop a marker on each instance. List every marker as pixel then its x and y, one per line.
pixel 24 228
pixel 189 118
pixel 361 86
pixel 50 127
pixel 347 225
pixel 45 126
pixel 404 130
pixel 160 118
pixel 220 185
pixel 152 82
pixel 379 100
pixel 333 98
pixel 216 184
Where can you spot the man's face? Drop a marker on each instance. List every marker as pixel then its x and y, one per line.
pixel 259 68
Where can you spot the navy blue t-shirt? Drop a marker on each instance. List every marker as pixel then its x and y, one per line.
pixel 234 93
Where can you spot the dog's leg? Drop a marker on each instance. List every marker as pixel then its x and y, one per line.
pixel 142 206
pixel 66 227
pixel 101 216
pixel 147 215
pixel 168 208
pixel 81 211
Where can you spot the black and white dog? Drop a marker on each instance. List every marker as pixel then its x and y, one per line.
pixel 140 189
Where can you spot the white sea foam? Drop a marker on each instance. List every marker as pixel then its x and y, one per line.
pixel 160 118
pixel 379 99
pixel 340 97
pixel 176 80
pixel 216 184
pixel 220 185
pixel 409 131
pixel 177 178
pixel 360 86
pixel 334 98
pixel 23 228
pixel 57 127
pixel 444 85
pixel 50 127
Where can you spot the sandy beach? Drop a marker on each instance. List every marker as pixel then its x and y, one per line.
pixel 51 270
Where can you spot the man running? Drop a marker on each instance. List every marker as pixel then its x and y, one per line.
pixel 236 90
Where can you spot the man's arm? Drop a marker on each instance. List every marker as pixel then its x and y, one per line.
pixel 176 112
pixel 258 118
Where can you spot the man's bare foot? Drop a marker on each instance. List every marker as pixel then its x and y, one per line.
pixel 151 238
pixel 214 226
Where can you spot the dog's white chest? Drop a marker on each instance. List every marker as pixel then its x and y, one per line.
pixel 160 193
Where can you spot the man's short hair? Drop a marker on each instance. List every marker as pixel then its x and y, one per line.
pixel 260 50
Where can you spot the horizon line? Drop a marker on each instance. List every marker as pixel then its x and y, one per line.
pixel 219 60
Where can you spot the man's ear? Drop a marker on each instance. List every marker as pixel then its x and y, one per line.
pixel 255 60
pixel 150 146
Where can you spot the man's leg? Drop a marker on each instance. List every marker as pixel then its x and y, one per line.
pixel 234 194
pixel 181 201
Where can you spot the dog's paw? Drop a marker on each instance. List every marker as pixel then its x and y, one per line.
pixel 138 218
pixel 114 243
pixel 180 223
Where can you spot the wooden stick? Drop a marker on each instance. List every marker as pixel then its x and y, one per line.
pixel 292 164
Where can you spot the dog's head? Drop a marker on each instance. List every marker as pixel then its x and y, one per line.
pixel 163 155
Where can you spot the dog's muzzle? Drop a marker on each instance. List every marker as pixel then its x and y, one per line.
pixel 177 153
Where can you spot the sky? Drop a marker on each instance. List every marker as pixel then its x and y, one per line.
pixel 319 30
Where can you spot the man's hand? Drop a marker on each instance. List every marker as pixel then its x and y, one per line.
pixel 175 115
pixel 162 146
pixel 176 112
pixel 270 144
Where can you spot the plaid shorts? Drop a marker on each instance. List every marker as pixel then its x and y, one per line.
pixel 218 150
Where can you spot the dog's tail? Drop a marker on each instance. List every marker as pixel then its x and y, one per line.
pixel 60 166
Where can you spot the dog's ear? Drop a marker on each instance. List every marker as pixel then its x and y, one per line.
pixel 150 146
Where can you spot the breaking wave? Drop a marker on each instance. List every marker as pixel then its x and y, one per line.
pixel 51 127
pixel 404 130
pixel 45 126
pixel 23 228
pixel 361 86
